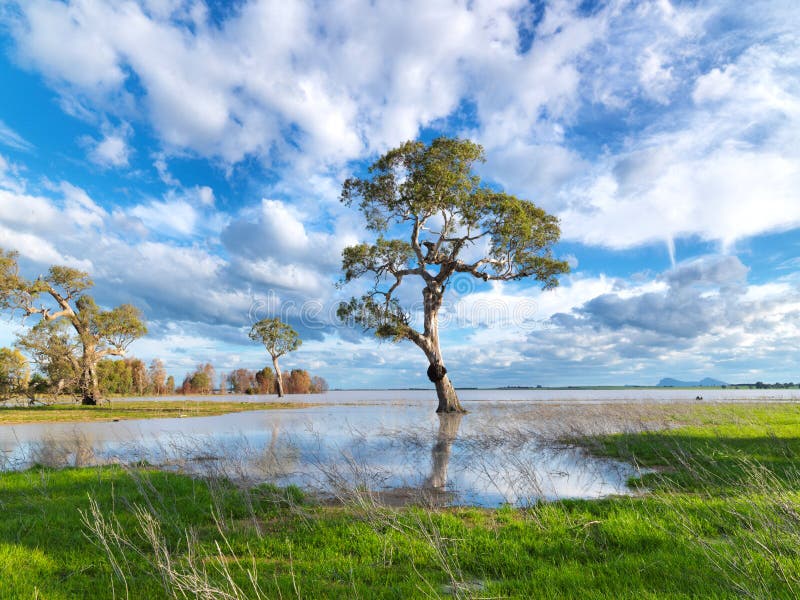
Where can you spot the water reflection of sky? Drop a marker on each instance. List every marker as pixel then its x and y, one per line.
pixel 487 458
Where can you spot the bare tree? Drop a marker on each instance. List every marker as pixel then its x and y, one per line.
pixel 158 377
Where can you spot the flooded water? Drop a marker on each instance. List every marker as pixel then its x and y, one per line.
pixel 521 395
pixel 389 443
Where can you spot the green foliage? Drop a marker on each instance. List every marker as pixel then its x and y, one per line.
pixel 199 382
pixel 121 325
pixel 115 377
pixel 417 181
pixel 71 281
pixel 55 351
pixel 14 373
pixel 382 257
pixel 278 337
pixel 37 385
pixel 387 319
pixel 11 285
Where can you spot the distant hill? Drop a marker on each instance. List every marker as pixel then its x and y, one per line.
pixel 707 382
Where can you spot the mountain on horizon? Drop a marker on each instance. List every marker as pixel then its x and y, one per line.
pixel 706 382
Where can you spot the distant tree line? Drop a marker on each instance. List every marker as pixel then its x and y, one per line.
pixel 760 385
pixel 133 377
pixel 203 380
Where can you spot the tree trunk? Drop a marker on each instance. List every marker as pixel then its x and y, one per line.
pixel 448 399
pixel 278 378
pixel 437 373
pixel 90 390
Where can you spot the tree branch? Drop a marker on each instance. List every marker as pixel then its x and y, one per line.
pixel 111 351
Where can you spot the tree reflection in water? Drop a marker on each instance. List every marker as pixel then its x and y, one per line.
pixel 449 423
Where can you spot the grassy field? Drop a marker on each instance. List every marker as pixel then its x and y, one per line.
pixel 132 409
pixel 720 519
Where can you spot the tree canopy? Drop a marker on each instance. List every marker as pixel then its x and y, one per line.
pixel 278 337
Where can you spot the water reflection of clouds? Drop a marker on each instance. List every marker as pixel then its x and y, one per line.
pixel 485 458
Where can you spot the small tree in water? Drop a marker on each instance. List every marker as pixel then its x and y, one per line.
pixel 278 338
pixel 96 333
pixel 431 192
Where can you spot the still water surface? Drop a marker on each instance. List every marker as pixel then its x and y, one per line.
pixel 388 442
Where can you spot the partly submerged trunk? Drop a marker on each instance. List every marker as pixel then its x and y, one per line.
pixel 437 372
pixel 448 399
pixel 278 378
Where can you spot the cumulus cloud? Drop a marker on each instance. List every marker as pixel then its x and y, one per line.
pixel 700 296
pixel 272 245
pixel 113 149
pixel 335 81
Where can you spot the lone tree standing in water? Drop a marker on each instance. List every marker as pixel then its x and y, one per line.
pixel 278 338
pixel 430 194
pixel 96 333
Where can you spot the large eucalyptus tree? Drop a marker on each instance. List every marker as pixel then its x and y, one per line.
pixel 58 299
pixel 430 212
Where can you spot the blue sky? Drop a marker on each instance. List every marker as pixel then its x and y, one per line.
pixel 190 156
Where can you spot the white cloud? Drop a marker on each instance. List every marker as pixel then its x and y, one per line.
pixel 171 216
pixel 89 61
pixel 205 195
pixel 80 208
pixel 38 249
pixel 111 151
pixel 274 245
pixel 160 164
pixel 306 88
pixel 715 85
pixel 655 77
pixel 17 210
pixel 12 139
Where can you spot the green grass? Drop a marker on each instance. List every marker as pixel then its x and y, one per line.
pixel 719 446
pixel 132 409
pixel 721 521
